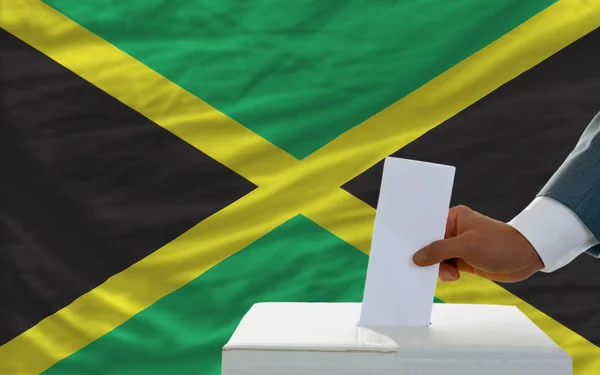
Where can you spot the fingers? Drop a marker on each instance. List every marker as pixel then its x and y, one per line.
pixel 456 215
pixel 463 266
pixel 448 272
pixel 503 277
pixel 438 251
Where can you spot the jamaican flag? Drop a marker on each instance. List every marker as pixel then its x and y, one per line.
pixel 166 164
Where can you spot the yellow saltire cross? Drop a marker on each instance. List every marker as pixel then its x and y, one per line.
pixel 286 186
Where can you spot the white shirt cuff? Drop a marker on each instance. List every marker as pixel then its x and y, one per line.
pixel 556 232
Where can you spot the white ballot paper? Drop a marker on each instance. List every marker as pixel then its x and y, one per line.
pixel 411 213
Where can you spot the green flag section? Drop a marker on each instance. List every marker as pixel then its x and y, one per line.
pixel 88 186
pixel 505 148
pixel 184 332
pixel 300 73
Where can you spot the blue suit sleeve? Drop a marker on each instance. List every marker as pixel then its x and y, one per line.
pixel 576 183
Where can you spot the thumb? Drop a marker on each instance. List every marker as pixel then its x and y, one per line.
pixel 439 251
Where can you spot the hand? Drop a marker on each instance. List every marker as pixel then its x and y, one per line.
pixel 477 244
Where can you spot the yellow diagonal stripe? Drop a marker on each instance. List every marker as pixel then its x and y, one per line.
pixel 287 186
pixel 459 87
pixel 124 294
pixel 144 90
pixel 345 216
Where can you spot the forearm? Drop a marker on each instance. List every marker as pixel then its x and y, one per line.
pixel 576 184
pixel 564 219
pixel 554 231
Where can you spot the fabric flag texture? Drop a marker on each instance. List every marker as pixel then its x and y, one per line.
pixel 165 164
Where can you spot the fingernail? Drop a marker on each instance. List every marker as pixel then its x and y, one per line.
pixel 454 275
pixel 445 274
pixel 449 274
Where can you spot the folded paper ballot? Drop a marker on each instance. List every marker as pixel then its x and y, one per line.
pixel 397 329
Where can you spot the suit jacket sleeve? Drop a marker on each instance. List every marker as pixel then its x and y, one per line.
pixel 576 184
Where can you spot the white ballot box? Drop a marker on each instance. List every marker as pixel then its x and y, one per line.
pixel 397 329
pixel 325 339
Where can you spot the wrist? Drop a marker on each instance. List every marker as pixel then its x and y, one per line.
pixel 555 232
pixel 532 260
